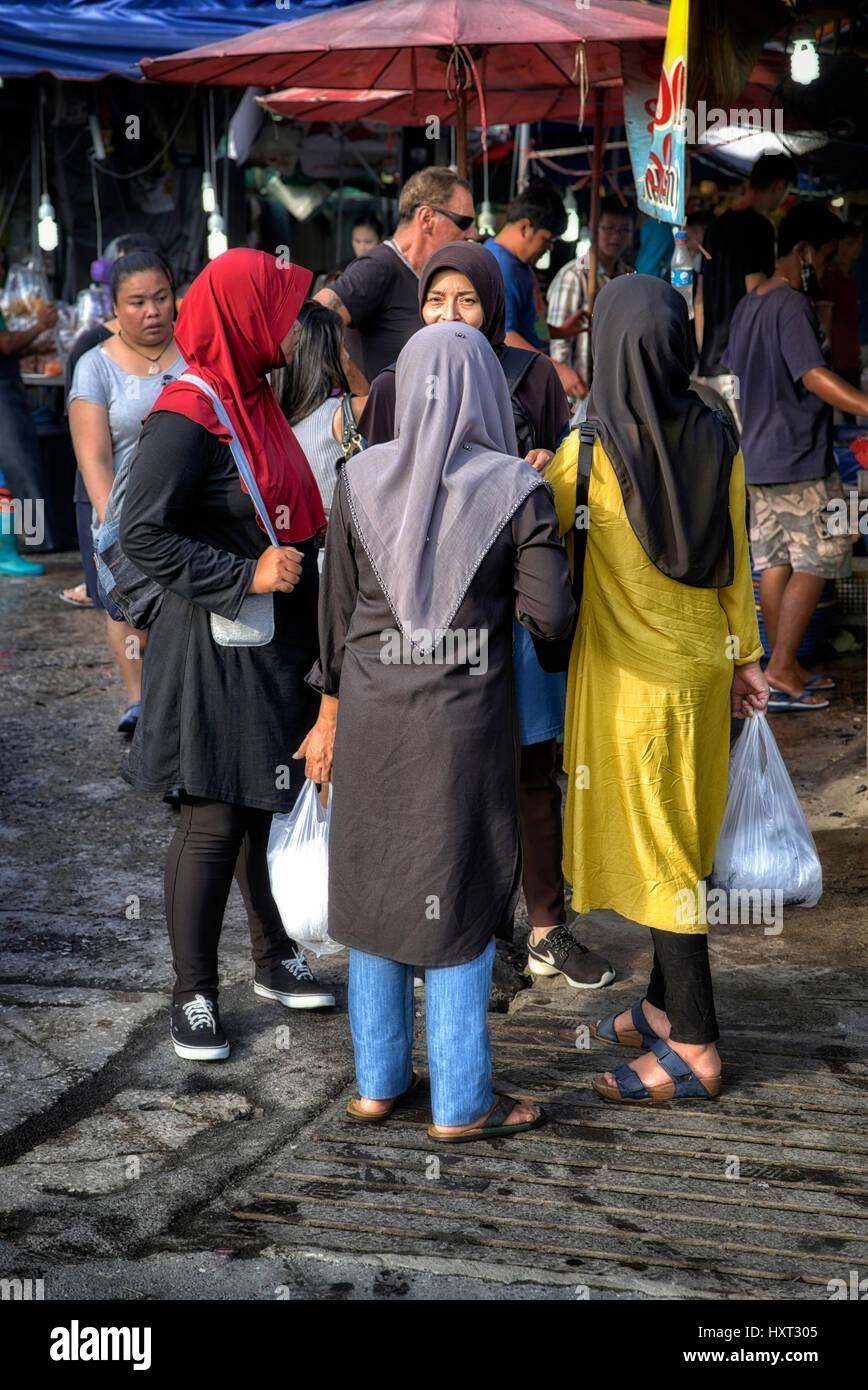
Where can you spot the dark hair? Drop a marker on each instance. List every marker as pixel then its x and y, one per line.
pixel 702 217
pixel 770 168
pixel 613 207
pixel 427 187
pixel 543 207
pixel 370 219
pixel 133 263
pixel 851 229
pixel 136 241
pixel 314 369
pixel 810 222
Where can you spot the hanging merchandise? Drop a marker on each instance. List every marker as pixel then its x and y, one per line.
pixel 25 292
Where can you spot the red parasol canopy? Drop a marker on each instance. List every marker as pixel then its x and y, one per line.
pixel 469 51
pixel 405 45
pixel 404 109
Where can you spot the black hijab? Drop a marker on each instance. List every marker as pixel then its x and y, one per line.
pixel 671 454
pixel 482 270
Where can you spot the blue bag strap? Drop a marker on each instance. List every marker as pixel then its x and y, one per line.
pixel 242 462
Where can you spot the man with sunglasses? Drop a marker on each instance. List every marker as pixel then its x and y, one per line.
pixel 377 296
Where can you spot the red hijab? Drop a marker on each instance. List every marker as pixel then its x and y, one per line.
pixel 231 324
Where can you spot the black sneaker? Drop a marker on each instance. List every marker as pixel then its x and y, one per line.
pixel 196 1031
pixel 291 981
pixel 560 953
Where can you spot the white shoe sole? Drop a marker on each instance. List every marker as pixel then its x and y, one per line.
pixel 296 1001
pixel 201 1054
pixel 538 967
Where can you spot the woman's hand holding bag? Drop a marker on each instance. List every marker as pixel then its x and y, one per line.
pixel 278 570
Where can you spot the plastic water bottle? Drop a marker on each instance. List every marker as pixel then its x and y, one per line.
pixel 681 270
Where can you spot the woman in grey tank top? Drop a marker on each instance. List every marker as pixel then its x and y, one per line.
pixel 304 390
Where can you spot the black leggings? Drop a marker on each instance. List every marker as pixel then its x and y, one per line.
pixel 214 842
pixel 680 985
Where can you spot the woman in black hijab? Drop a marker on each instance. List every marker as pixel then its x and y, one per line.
pixel 667 647
pixel 462 281
pixel 539 404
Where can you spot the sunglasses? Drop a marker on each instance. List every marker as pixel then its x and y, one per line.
pixel 463 220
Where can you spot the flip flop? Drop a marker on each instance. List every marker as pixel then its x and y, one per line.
pixel 685 1084
pixel 793 702
pixel 813 685
pixel 357 1116
pixel 84 602
pixel 640 1035
pixel 492 1128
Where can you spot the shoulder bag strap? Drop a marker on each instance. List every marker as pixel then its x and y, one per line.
pixel 587 438
pixel 242 463
pixel 351 440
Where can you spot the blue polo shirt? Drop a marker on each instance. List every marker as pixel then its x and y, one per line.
pixel 525 311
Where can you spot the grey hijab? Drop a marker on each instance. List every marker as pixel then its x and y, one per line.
pixel 429 505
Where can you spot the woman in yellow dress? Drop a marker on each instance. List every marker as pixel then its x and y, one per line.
pixel 667 646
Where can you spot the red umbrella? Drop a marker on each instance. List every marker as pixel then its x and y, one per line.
pixel 405 108
pixel 468 49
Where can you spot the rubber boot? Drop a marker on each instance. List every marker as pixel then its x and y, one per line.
pixel 10 561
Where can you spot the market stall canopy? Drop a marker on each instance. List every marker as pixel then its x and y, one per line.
pixel 84 39
pixel 405 109
pixel 407 46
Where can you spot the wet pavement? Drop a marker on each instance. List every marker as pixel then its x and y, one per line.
pixel 128 1173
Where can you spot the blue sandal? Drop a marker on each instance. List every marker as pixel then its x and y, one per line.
pixel 640 1035
pixel 685 1084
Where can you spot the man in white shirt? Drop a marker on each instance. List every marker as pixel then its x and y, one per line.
pixel 568 292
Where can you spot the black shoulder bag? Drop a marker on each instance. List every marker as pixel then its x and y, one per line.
pixel 555 656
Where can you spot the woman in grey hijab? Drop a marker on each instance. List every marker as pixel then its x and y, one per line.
pixel 435 539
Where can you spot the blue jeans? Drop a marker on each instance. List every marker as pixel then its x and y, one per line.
pixel 459 1048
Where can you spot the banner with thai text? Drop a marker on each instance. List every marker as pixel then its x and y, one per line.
pixel 654 107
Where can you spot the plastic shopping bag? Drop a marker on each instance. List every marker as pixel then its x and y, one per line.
pixel 764 841
pixel 298 866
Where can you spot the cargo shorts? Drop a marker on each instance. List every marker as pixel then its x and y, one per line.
pixel 790 525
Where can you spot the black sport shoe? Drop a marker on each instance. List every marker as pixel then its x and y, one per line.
pixel 560 953
pixel 292 982
pixel 196 1031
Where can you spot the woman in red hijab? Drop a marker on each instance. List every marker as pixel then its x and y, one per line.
pixel 224 702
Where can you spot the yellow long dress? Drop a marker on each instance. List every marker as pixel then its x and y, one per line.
pixel 646 744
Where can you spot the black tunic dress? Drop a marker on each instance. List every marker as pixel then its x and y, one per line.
pixel 424 856
pixel 219 722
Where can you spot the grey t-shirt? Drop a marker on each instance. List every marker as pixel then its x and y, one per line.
pixel 126 397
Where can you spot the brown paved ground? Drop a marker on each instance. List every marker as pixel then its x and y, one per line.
pixel 248 1183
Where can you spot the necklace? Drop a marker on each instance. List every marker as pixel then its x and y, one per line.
pixel 154 361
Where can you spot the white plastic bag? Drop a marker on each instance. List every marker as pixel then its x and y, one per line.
pixel 298 866
pixel 764 841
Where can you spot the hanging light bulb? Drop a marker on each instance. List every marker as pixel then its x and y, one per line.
pixel 572 211
pixel 218 242
pixel 209 197
pixel 485 220
pixel 46 231
pixel 804 62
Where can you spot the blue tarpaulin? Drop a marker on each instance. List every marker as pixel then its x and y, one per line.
pixel 83 39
